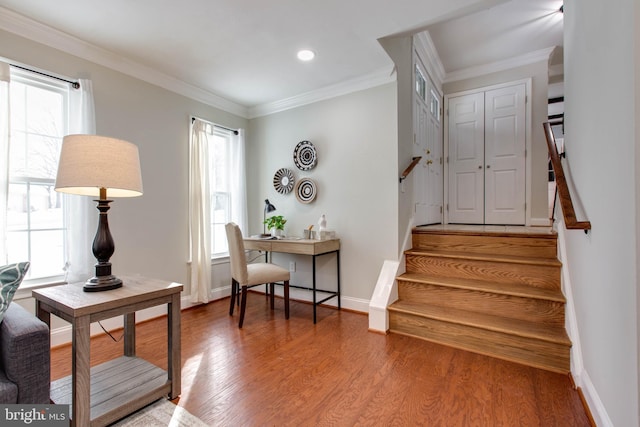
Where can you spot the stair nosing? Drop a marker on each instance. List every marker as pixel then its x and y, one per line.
pixel 511 259
pixel 486 233
pixel 518 290
pixel 404 307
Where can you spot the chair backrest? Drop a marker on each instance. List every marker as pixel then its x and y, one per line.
pixel 237 256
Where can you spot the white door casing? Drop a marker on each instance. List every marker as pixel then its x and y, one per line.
pixel 435 164
pixel 421 172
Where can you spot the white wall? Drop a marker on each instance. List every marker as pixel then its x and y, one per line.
pixel 601 140
pixel 150 232
pixel 357 179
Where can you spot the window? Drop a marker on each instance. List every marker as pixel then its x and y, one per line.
pixel 434 105
pixel 421 84
pixel 35 222
pixel 221 189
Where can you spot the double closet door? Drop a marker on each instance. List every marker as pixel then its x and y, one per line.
pixel 487 146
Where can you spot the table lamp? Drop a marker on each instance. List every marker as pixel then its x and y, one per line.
pixel 99 166
pixel 268 207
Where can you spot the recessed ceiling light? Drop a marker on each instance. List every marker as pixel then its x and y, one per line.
pixel 306 55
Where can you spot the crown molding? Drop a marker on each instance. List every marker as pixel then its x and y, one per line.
pixel 28 28
pixel 377 78
pixel 517 61
pixel 429 55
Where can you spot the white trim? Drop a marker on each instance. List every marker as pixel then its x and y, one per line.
pixel 377 78
pixel 63 334
pixel 596 407
pixel 428 54
pixel 25 27
pixel 540 222
pixel 506 64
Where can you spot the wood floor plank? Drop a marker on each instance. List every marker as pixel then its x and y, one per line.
pixel 335 373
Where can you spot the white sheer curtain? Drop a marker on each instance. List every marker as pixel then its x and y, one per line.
pixel 238 182
pixel 4 157
pixel 199 213
pixel 80 213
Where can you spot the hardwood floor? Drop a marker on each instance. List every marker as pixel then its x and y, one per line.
pixel 276 372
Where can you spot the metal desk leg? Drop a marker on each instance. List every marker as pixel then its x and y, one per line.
pixel 338 266
pixel 314 289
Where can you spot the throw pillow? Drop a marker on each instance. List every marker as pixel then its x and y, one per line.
pixel 10 278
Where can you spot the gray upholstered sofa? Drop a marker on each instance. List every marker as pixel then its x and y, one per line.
pixel 24 357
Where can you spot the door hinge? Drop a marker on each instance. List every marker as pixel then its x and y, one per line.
pixel 440 160
pixel 447 207
pixel 526 99
pixel 440 209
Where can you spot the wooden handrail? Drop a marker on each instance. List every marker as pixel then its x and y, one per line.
pixel 409 168
pixel 566 204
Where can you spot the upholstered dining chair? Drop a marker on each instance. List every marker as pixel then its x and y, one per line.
pixel 245 276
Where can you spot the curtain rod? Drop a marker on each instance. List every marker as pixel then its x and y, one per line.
pixel 75 85
pixel 235 131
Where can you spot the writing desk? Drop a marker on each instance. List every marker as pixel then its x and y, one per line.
pixel 311 247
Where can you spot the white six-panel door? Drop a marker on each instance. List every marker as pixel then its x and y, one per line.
pixel 505 155
pixel 466 159
pixel 487 157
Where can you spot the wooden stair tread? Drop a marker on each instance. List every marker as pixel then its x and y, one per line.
pixel 528 233
pixel 486 257
pixel 512 289
pixel 484 321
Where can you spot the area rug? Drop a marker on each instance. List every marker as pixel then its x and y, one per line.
pixel 162 413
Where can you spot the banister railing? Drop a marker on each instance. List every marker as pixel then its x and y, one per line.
pixel 409 168
pixel 562 187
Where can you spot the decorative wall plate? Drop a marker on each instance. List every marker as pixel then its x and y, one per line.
pixel 283 180
pixel 305 156
pixel 306 190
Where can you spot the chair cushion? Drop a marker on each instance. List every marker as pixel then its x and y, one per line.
pixel 10 278
pixel 265 273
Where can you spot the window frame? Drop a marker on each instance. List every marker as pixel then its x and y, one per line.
pixel 42 82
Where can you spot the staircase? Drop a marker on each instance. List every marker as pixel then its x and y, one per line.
pixel 493 293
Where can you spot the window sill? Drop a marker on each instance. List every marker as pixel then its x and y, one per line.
pixel 24 290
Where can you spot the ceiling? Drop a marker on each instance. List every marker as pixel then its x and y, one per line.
pixel 244 51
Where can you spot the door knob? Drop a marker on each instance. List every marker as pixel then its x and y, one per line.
pixel 488 166
pixel 429 162
pixel 480 167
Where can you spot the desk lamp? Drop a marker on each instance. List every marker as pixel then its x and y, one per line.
pixel 99 166
pixel 268 207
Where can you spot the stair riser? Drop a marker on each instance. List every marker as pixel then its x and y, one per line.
pixel 487 244
pixel 534 275
pixel 513 307
pixel 530 352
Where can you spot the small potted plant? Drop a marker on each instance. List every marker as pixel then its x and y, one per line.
pixel 276 225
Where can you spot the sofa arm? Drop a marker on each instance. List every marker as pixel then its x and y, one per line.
pixel 25 354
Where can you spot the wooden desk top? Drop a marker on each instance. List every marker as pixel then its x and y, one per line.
pixel 293 246
pixel 73 301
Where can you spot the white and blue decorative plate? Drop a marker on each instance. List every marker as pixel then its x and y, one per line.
pixel 283 180
pixel 305 156
pixel 306 190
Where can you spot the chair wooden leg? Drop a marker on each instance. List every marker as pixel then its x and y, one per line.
pixel 286 299
pixel 243 305
pixel 234 286
pixel 272 287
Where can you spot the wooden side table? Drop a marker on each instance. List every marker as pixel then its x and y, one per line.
pixel 107 392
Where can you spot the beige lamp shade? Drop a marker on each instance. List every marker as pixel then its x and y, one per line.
pixel 90 162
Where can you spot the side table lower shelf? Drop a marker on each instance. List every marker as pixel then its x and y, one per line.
pixel 118 388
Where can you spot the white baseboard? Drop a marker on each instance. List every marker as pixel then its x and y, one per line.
pixel 596 407
pixel 540 222
pixel 62 335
